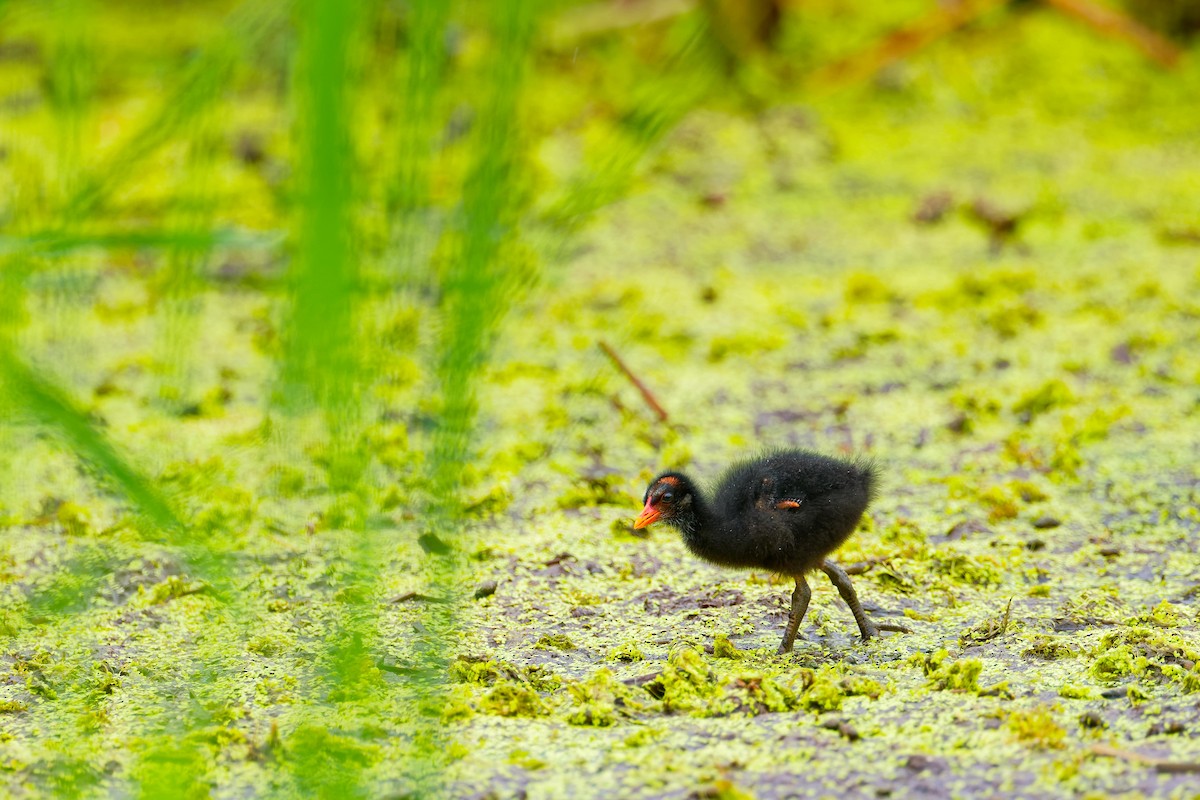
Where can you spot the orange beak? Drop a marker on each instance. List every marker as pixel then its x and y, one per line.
pixel 648 516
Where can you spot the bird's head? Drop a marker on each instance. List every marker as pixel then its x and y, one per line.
pixel 668 497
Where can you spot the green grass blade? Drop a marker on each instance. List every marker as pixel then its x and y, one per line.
pixel 51 407
pixel 202 84
pixel 480 279
pixel 319 360
pixel 192 239
pixel 420 74
pixel 321 366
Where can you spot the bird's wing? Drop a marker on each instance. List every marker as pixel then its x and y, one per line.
pixel 769 497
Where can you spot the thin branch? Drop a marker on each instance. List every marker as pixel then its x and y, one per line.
pixel 901 42
pixel 1134 757
pixel 647 395
pixel 1110 22
pixel 945 19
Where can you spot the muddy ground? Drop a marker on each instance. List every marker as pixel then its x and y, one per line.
pixel 997 299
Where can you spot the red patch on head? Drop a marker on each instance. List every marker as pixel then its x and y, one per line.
pixel 669 480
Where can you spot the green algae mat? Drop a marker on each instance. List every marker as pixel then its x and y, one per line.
pixel 287 512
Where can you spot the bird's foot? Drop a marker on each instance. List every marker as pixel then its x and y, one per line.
pixel 873 628
pixel 784 648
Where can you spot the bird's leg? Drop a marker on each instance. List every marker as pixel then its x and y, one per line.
pixel 841 580
pixel 800 598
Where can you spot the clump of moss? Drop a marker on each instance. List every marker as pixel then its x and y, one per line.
pixel 1052 394
pixel 599 489
pixel 892 578
pixel 1154 643
pixel 861 686
pixel 1037 727
pixel 598 700
pixel 554 641
pixel 824 692
pixel 863 287
pixel 266 645
pixel 723 648
pixel 488 672
pixel 1066 459
pixel 464 670
pixel 640 737
pixel 826 688
pixel 1047 648
pixel 987 630
pixel 1148 652
pixel 510 699
pixel 1073 692
pixel 492 501
pixel 973 570
pixel 1094 607
pixel 1000 503
pixel 76 520
pixel 1188 679
pixel 457 707
pixel 1013 318
pixel 1003 499
pixel 1116 663
pixel 627 652
pixel 1162 615
pixel 755 693
pixel 903 531
pixel 945 675
pixel 523 759
pixel 723 789
pixel 172 588
pixel 686 683
pixel 1136 694
pixel 743 344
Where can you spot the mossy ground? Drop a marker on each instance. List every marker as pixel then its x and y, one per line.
pixel 1032 402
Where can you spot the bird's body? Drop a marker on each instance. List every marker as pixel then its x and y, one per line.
pixel 784 512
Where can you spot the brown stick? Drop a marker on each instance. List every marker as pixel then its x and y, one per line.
pixel 919 34
pixel 647 395
pixel 1159 764
pixel 416 597
pixel 1111 22
pixel 901 42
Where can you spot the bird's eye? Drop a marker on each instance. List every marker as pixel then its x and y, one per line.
pixel 667 497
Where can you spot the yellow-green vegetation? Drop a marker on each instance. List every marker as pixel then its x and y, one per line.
pixel 599 699
pixel 1037 727
pixel 946 674
pixel 252 556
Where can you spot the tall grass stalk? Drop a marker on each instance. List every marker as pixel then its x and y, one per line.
pixel 484 268
pixel 468 257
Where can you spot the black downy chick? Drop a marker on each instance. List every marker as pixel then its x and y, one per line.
pixel 784 512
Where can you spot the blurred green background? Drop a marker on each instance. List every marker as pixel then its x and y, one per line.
pixel 300 350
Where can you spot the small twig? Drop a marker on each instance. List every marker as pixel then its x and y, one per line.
pixel 396 670
pixel 1111 22
pixel 1132 756
pixel 647 395
pixel 950 17
pixel 416 596
pixel 859 567
pixel 902 42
